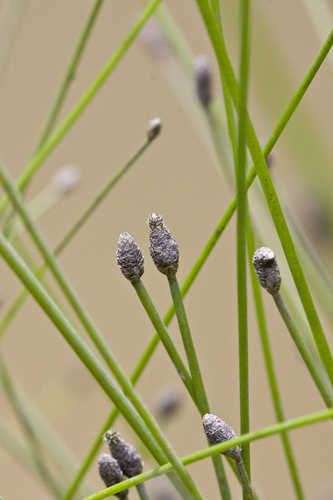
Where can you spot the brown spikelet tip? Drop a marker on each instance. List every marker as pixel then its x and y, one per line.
pixel 267 269
pixel 163 247
pixel 130 258
pixel 218 431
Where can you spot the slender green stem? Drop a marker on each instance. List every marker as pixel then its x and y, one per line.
pixel 258 158
pixel 247 489
pixel 163 335
pixel 61 131
pixel 270 370
pixel 142 491
pixel 240 168
pixel 272 430
pixel 212 241
pixel 35 449
pixel 19 301
pixel 303 350
pixel 11 442
pixel 94 333
pixel 69 74
pixel 205 253
pixel 198 384
pixel 87 357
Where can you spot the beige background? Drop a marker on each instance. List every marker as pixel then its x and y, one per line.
pixel 176 178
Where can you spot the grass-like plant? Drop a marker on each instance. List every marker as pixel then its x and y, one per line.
pixel 225 119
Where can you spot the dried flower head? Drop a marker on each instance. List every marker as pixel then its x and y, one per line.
pixel 203 80
pixel 218 431
pixel 130 258
pixel 267 269
pixel 163 248
pixel 126 455
pixel 66 179
pixel 154 128
pixel 111 473
pixel 168 403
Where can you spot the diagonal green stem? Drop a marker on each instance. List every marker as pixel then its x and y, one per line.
pixel 85 354
pixel 69 74
pixel 34 445
pixel 208 248
pixel 163 335
pixel 94 333
pixel 303 350
pixel 61 131
pixel 270 370
pixel 19 301
pixel 198 384
pixel 258 158
pixel 272 430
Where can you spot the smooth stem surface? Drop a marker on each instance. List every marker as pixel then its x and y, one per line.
pixel 197 380
pixel 210 245
pixel 303 350
pixel 219 448
pixel 240 167
pixel 32 439
pixel 247 490
pixel 81 349
pixel 142 491
pixel 93 332
pixel 227 74
pixel 163 335
pixel 19 301
pixel 69 74
pixel 62 130
pixel 269 365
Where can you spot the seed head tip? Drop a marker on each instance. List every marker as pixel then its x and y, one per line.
pixel 154 128
pixel 130 258
pixel 163 247
pixel 203 80
pixel 218 431
pixel 267 269
pixel 126 455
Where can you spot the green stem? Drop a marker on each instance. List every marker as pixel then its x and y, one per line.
pixel 19 301
pixel 69 75
pixel 163 335
pixel 258 158
pixel 272 430
pixel 270 370
pixel 247 489
pixel 36 451
pixel 142 491
pixel 205 253
pixel 85 354
pixel 94 333
pixel 303 350
pixel 240 167
pixel 198 384
pixel 61 131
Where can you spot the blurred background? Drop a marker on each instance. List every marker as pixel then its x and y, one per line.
pixel 178 177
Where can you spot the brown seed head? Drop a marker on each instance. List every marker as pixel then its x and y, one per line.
pixel 203 80
pixel 154 128
pixel 111 473
pixel 130 258
pixel 218 431
pixel 126 455
pixel 163 248
pixel 267 269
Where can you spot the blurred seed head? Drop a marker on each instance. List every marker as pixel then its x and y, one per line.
pixel 154 128
pixel 169 402
pixel 130 258
pixel 203 80
pixel 126 455
pixel 163 248
pixel 66 179
pixel 162 490
pixel 267 269
pixel 218 431
pixel 111 473
pixel 154 40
